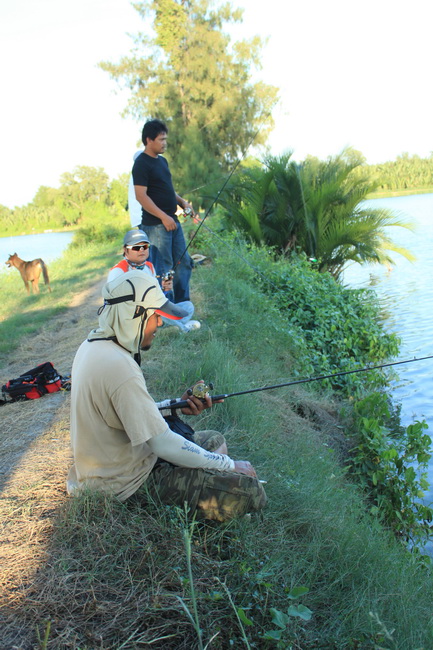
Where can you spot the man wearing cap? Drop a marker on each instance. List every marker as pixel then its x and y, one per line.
pixel 155 192
pixel 135 256
pixel 117 431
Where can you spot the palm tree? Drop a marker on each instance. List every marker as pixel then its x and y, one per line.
pixel 316 207
pixel 340 227
pixel 264 202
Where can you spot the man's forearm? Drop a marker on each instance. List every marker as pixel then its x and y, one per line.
pixel 180 201
pixel 177 450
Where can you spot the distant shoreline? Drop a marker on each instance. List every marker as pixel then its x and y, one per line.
pixel 389 193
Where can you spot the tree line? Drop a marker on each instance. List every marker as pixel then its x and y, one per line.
pixel 404 173
pixel 185 70
pixel 86 195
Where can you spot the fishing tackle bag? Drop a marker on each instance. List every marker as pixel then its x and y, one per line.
pixel 34 383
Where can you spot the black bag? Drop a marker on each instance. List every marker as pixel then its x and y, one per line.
pixel 34 383
pixel 179 426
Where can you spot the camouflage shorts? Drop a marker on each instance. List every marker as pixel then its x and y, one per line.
pixel 210 494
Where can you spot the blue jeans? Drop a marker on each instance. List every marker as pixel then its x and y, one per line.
pixel 166 250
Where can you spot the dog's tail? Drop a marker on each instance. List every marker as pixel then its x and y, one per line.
pixel 45 273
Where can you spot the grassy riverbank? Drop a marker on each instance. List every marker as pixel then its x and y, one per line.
pixel 112 576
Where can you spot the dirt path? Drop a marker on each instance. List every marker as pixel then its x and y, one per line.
pixel 34 451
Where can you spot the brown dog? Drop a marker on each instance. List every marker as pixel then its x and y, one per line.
pixel 30 271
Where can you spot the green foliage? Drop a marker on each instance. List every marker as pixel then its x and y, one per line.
pixel 315 207
pixel 405 173
pixel 282 620
pixel 85 196
pixel 97 233
pixel 83 185
pixel 209 102
pixel 341 327
pixel 390 464
pixel 118 191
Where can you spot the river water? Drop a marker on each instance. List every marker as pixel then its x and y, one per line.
pixel 406 297
pixel 48 245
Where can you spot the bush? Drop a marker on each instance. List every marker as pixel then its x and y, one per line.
pixel 390 463
pixel 340 328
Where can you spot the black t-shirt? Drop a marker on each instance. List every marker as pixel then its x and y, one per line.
pixel 154 174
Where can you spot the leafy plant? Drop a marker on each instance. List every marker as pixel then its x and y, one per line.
pixel 341 327
pixel 295 610
pixel 316 207
pixel 389 465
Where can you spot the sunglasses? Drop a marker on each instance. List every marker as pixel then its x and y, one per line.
pixel 138 247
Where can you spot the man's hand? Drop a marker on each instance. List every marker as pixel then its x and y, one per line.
pixel 167 285
pixel 169 223
pixel 244 467
pixel 188 208
pixel 195 404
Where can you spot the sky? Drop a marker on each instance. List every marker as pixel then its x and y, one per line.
pixel 349 73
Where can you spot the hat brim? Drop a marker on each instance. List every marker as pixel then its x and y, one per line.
pixel 171 311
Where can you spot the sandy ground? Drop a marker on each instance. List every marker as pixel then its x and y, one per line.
pixel 34 449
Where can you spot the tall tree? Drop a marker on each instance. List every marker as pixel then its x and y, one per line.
pixel 190 75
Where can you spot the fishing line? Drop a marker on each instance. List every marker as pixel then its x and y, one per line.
pixel 179 403
pixel 200 187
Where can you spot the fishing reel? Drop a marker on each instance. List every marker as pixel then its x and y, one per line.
pixel 168 276
pixel 187 212
pixel 200 389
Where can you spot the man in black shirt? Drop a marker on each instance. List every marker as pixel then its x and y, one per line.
pixel 155 193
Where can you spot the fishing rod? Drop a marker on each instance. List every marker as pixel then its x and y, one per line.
pixel 215 199
pixel 200 390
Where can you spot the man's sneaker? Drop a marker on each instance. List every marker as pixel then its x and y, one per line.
pixel 191 325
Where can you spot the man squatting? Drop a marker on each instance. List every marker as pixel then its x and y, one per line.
pixel 135 256
pixel 120 440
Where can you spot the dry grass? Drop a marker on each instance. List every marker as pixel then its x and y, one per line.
pixel 34 445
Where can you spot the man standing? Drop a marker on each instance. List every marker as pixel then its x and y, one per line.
pixel 155 193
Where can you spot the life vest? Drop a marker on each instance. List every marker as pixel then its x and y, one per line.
pixel 125 266
pixel 34 383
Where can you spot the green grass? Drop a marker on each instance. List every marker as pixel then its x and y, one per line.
pixel 126 576
pixel 22 315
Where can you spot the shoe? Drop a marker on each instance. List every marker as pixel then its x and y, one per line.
pixel 191 325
